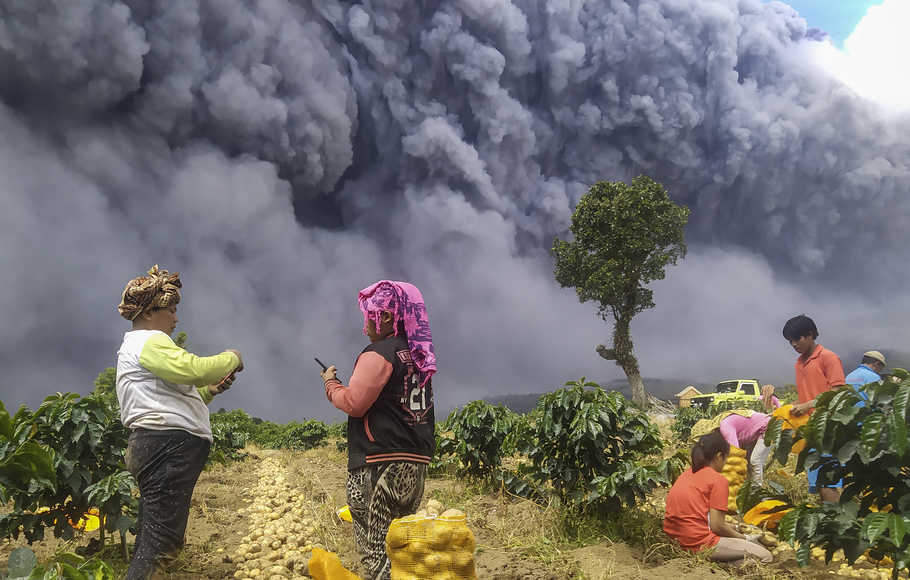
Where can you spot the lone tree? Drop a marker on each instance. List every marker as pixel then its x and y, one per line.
pixel 625 236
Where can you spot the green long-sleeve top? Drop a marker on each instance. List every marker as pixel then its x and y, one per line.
pixel 163 386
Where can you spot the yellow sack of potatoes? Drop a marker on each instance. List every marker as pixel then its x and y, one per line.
pixel 759 515
pixel 792 422
pixel 426 547
pixel 735 470
pixel 326 566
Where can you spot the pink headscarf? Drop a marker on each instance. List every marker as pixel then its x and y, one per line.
pixel 405 302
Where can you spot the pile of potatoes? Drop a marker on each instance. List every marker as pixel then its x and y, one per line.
pixel 765 538
pixel 433 544
pixel 281 537
pixel 863 567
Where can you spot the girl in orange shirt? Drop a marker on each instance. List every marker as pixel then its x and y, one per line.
pixel 697 504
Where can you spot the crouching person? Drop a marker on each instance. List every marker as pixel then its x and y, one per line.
pixel 163 391
pixel 697 504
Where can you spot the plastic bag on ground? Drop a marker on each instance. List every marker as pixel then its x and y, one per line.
pixel 761 514
pixel 326 566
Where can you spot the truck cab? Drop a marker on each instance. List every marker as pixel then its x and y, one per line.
pixel 746 390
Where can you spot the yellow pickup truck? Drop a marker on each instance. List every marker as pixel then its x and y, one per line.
pixel 729 390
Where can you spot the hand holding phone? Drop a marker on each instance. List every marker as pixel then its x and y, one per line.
pixel 328 372
pixel 225 383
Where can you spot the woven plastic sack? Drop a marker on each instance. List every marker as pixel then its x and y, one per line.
pixel 735 470
pixel 761 516
pixel 327 566
pixel 791 421
pixel 431 548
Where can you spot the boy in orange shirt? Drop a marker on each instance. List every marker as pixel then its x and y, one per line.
pixel 817 370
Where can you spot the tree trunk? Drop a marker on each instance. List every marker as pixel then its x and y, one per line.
pixel 625 359
pixel 124 551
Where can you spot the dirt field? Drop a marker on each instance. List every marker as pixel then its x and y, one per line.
pixel 516 539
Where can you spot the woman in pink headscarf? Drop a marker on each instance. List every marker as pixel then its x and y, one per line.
pixel 391 422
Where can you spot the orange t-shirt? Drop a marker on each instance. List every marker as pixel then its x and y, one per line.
pixel 821 372
pixel 688 504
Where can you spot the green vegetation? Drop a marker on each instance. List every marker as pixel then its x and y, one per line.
pixel 23 565
pixel 590 462
pixel 66 459
pixel 237 428
pixel 587 448
pixel 625 236
pixel 478 431
pixel 84 441
pixel 869 445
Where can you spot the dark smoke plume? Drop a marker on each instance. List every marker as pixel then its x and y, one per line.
pixel 282 155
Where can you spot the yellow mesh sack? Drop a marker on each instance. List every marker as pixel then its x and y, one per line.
pixel 431 548
pixel 735 470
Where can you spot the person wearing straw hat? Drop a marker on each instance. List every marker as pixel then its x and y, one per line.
pixel 869 371
pixel 163 391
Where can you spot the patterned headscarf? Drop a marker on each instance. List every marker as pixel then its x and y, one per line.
pixel 156 290
pixel 405 302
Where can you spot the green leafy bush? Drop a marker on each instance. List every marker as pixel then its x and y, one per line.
pixel 237 428
pixel 590 447
pixel 870 445
pixel 227 442
pixel 478 432
pixel 23 565
pixel 521 432
pixel 444 461
pixel 338 429
pixel 26 466
pixel 304 435
pixel 88 442
pixel 684 419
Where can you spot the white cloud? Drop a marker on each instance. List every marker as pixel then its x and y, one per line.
pixel 874 59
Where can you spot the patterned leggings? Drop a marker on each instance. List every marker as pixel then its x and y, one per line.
pixel 377 494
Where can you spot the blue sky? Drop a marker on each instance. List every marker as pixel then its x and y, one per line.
pixel 836 17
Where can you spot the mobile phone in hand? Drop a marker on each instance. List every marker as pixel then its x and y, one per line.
pixel 223 385
pixel 324 367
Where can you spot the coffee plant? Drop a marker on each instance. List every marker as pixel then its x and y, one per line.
pixel 238 428
pixel 590 448
pixel 478 432
pixel 304 435
pixel 88 442
pixel 23 565
pixel 26 466
pixel 444 461
pixel 866 446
